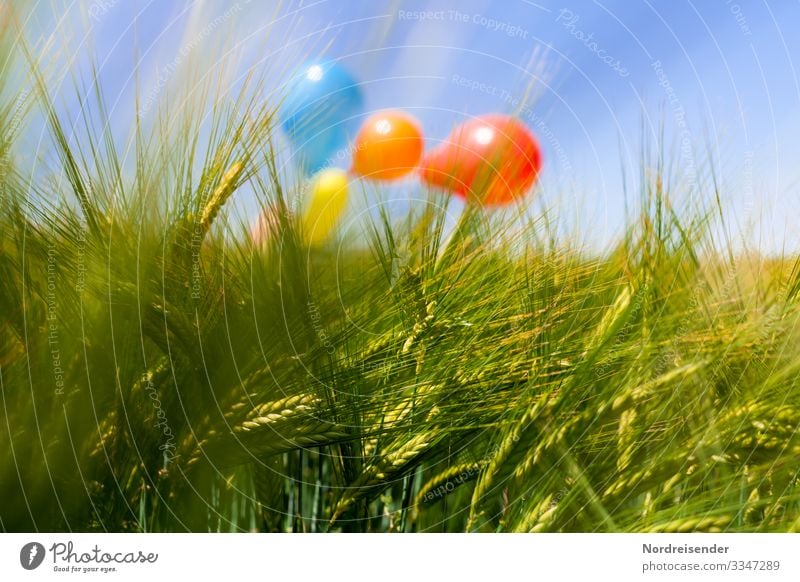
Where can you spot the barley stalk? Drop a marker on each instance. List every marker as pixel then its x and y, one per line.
pixel 692 524
pixel 277 411
pixel 532 517
pixel 220 195
pixel 444 483
pixel 508 453
pixel 384 471
pixel 633 483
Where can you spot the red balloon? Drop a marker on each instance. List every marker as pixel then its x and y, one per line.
pixel 493 159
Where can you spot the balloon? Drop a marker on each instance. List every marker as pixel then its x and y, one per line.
pixel 266 225
pixel 328 203
pixel 388 146
pixel 494 159
pixel 263 227
pixel 320 112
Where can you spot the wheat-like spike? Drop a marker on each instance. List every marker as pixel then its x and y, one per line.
pixel 770 429
pixel 223 451
pixel 621 406
pixel 383 471
pixel 321 435
pixel 107 430
pixel 634 395
pixel 630 484
pixel 545 520
pixel 312 431
pixel 419 328
pixel 390 416
pixel 273 428
pixel 220 195
pixel 508 453
pixel 753 513
pixel 551 439
pixel 260 422
pixel 156 375
pixel 288 402
pixel 279 410
pixel 626 439
pixel 531 459
pixel 445 482
pixel 531 518
pixel 497 460
pixel 610 321
pixel 693 524
pixel 787 415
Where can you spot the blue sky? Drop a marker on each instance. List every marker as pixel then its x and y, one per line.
pixel 584 75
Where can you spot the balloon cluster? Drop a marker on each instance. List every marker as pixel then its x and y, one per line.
pixel 492 159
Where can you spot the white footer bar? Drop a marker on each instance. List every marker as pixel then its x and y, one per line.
pixel 409 557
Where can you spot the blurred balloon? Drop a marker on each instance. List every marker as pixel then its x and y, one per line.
pixel 263 227
pixel 328 203
pixel 388 146
pixel 320 112
pixel 269 222
pixel 493 158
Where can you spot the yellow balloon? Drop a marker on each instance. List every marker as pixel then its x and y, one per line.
pixel 328 203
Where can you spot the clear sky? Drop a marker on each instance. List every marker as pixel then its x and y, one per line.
pixel 584 75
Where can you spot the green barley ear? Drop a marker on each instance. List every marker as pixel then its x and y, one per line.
pixel 436 488
pixel 220 196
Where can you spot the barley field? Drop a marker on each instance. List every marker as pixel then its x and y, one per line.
pixel 165 368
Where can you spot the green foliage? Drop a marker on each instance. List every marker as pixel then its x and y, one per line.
pixel 162 371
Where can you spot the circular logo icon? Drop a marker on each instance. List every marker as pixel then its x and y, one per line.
pixel 31 555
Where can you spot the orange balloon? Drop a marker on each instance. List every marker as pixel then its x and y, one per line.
pixel 388 146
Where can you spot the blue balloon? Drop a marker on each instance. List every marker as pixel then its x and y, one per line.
pixel 320 112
